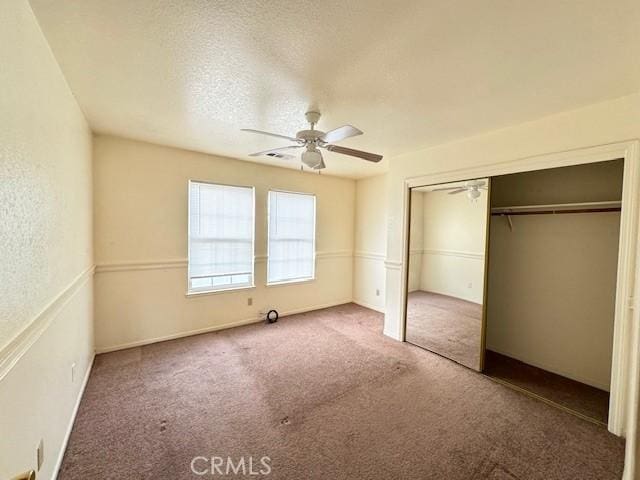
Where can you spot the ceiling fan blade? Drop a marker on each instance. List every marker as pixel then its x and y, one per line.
pixel 460 190
pixel 251 130
pixel 444 188
pixel 340 133
pixel 312 159
pixel 274 150
pixel 475 183
pixel 371 157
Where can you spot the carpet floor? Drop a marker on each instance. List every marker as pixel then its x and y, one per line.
pixel 325 396
pixel 583 399
pixel 446 325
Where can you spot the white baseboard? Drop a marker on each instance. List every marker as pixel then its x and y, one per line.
pixel 549 368
pixel 448 294
pixel 65 442
pixel 174 336
pixel 215 328
pixel 316 307
pixel 368 305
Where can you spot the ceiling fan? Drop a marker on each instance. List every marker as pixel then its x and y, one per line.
pixel 313 140
pixel 472 187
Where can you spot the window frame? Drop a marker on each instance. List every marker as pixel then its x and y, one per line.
pixel 312 278
pixel 230 287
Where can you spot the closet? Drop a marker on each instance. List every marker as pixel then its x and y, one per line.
pixel 553 256
pixel 548 291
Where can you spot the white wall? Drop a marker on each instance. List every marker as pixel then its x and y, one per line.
pixel 46 255
pixel 454 240
pixel 607 122
pixel 370 242
pixel 141 243
pixel 552 279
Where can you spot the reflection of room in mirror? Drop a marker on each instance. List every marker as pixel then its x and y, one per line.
pixel 445 325
pixel 446 269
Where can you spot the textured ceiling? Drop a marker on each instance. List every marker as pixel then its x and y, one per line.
pixel 191 73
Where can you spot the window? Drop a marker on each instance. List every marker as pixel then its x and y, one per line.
pixel 291 248
pixel 221 220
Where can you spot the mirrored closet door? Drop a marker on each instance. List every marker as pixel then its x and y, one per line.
pixel 446 273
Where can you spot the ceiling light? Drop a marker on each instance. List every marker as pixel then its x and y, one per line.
pixel 473 194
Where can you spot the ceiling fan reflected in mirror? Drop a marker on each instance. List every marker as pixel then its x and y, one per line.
pixel 312 141
pixel 472 187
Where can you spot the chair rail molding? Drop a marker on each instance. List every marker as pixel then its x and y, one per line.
pixel 171 263
pixel 16 347
pixel 370 255
pixel 453 253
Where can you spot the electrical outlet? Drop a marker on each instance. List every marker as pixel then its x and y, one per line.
pixel 249 301
pixel 40 454
pixel 73 372
pixel 377 292
pixel 470 285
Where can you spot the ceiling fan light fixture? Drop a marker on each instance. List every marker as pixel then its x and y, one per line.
pixel 312 158
pixel 473 194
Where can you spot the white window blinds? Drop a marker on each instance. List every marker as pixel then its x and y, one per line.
pixel 292 221
pixel 221 227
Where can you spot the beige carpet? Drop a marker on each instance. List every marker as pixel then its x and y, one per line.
pixel 446 325
pixel 326 396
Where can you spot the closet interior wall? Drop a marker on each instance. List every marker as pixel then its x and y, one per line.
pixel 552 277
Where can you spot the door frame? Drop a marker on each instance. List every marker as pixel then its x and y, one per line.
pixel 625 368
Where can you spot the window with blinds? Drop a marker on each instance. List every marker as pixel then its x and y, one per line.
pixel 221 231
pixel 292 229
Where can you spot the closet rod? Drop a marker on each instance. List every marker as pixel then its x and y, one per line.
pixel 557 212
pixel 589 207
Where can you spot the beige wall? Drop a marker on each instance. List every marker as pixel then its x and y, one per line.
pixel 454 241
pixel 141 243
pixel 46 255
pixel 552 293
pixel 552 279
pixel 370 242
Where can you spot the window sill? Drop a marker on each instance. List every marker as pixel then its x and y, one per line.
pixel 197 293
pixel 290 282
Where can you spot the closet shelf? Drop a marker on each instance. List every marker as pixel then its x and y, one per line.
pixel 558 208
